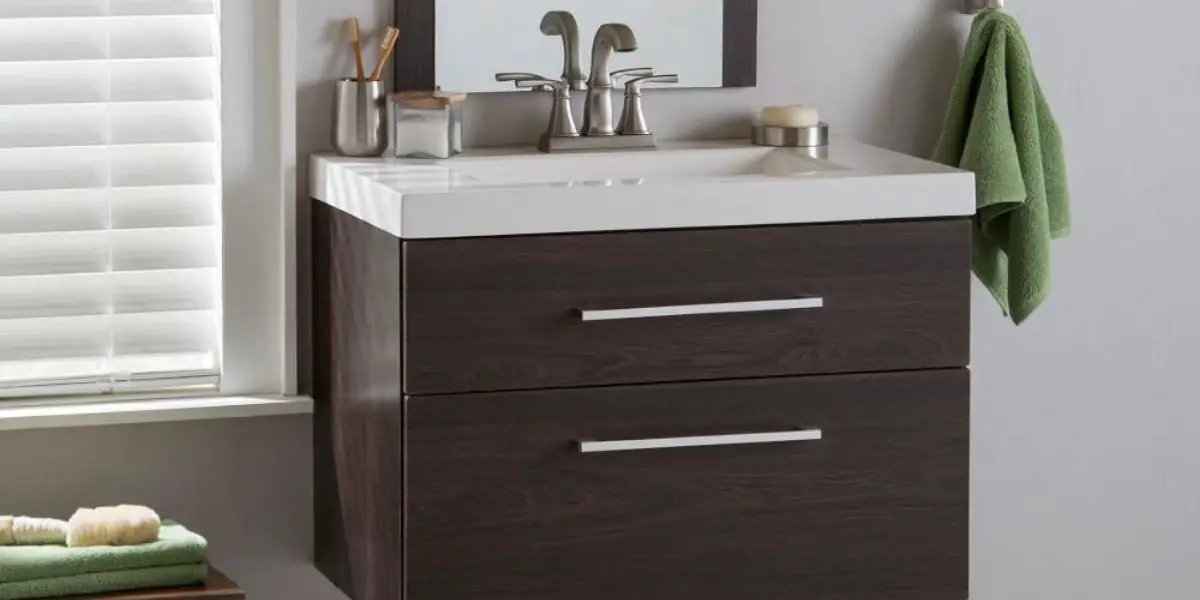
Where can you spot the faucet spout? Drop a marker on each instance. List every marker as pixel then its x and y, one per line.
pixel 562 23
pixel 611 37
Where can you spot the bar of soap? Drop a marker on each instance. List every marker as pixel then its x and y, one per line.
pixel 790 116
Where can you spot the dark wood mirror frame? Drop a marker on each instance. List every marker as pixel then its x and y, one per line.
pixel 417 46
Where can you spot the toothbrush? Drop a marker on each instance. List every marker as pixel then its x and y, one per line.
pixel 356 44
pixel 386 47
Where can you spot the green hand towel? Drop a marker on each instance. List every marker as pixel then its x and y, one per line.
pixel 175 546
pixel 108 581
pixel 999 125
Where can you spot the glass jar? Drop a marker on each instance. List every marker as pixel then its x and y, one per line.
pixel 428 124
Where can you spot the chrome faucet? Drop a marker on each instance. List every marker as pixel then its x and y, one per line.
pixel 610 38
pixel 562 23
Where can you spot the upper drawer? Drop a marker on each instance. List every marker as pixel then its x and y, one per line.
pixel 563 311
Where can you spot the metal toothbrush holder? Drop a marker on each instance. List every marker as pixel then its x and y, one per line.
pixel 360 126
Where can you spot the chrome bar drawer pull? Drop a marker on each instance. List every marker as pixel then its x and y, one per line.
pixel 593 447
pixel 702 309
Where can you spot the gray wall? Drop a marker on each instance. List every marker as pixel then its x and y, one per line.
pixel 1087 479
pixel 244 483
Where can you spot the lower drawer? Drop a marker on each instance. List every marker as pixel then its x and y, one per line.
pixel 838 487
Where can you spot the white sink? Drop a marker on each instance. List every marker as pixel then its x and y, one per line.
pixel 519 191
pixel 634 168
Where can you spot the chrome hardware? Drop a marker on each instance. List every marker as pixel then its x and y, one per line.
pixel 594 447
pixel 562 23
pixel 633 118
pixel 702 309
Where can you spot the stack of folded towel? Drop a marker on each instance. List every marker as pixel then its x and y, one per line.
pixel 95 553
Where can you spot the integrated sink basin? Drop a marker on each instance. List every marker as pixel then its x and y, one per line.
pixel 634 168
pixel 519 191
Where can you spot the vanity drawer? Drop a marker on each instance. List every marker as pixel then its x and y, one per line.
pixel 567 311
pixel 505 503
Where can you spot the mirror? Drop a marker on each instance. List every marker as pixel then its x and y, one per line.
pixel 460 45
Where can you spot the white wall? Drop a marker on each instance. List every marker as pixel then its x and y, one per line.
pixel 1087 478
pixel 245 484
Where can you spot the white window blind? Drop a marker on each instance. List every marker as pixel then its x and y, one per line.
pixel 109 195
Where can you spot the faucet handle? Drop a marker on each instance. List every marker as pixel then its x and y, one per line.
pixel 562 121
pixel 517 77
pixel 635 85
pixel 623 74
pixel 545 84
pixel 633 119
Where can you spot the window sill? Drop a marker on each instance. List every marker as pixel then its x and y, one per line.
pixel 89 414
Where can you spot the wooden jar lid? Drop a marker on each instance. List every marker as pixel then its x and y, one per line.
pixel 433 100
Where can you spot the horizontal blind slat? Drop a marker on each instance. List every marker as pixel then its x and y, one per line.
pixel 34 126
pixel 101 251
pixel 36 9
pixel 179 340
pixel 164 333
pixel 104 293
pixel 53 211
pixel 78 337
pixel 91 167
pixel 48 211
pixel 40 41
pixel 83 82
pixel 74 125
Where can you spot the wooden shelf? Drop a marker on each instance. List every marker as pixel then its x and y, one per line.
pixel 218 587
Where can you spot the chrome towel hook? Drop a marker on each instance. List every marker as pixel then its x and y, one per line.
pixel 973 6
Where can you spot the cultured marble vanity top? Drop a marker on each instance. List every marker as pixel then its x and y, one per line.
pixel 519 191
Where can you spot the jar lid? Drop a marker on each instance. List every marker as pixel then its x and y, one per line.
pixel 428 100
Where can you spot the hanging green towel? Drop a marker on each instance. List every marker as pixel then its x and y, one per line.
pixel 175 546
pixel 108 581
pixel 999 125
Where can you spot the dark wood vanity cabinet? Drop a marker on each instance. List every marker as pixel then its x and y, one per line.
pixel 478 438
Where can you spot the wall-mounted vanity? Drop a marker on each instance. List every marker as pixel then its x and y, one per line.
pixel 709 371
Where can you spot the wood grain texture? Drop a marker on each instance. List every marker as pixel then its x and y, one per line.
pixel 358 404
pixel 500 314
pixel 217 587
pixel 502 507
pixel 416 51
pixel 740 53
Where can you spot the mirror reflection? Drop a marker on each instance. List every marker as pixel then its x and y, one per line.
pixel 475 39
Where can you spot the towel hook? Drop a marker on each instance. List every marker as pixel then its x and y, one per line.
pixel 973 6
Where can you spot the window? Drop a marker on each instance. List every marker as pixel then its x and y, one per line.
pixel 110 196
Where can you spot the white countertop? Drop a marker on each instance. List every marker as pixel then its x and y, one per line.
pixel 519 191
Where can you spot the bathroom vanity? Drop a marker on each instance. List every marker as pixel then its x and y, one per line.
pixel 710 372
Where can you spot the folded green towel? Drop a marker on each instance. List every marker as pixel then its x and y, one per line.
pixel 175 546
pixel 999 125
pixel 108 581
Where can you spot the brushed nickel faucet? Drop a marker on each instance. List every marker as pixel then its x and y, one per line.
pixel 562 23
pixel 610 38
pixel 599 131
